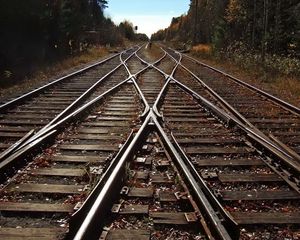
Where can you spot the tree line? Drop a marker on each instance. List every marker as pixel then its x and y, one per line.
pixel 264 26
pixel 35 31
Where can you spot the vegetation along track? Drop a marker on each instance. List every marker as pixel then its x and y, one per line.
pixel 189 169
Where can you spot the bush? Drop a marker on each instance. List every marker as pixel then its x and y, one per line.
pixel 246 58
pixel 204 50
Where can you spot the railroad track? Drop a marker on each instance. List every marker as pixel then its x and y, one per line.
pixel 44 193
pixel 153 190
pixel 50 103
pixel 275 117
pixel 235 172
pixel 150 154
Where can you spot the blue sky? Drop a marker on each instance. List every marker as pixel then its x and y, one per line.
pixel 148 15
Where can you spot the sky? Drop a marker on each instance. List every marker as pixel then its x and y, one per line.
pixel 149 15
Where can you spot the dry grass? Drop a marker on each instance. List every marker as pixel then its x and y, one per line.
pixel 282 86
pixel 53 71
pixel 201 49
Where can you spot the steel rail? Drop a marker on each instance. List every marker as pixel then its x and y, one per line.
pixel 29 145
pixel 292 179
pixel 215 222
pixel 13 147
pixel 231 224
pixel 134 79
pixel 174 69
pixel 252 135
pixel 90 221
pixel 103 200
pixel 167 79
pixel 158 69
pixel 217 96
pixel 157 61
pixel 280 146
pixel 131 77
pixel 137 46
pixel 77 218
pixel 125 65
pixel 215 109
pixel 159 98
pixel 35 142
pixel 142 97
pixel 86 94
pixel 268 161
pixel 151 118
pixel 42 88
pixel 279 101
pixel 100 207
pixel 290 154
pixel 152 65
pixel 17 157
pixel 20 144
pixel 170 78
pixel 291 158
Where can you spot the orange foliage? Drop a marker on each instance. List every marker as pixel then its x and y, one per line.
pixel 202 48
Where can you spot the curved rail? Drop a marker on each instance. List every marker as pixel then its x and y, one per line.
pixel 35 142
pixel 65 112
pixel 290 158
pixel 100 206
pixel 99 201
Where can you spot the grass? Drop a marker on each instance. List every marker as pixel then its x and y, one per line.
pixel 52 71
pixel 284 86
pixel 202 49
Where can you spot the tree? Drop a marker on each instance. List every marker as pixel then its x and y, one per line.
pixel 127 30
pixel 34 31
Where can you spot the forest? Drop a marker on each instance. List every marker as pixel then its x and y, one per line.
pixel 42 31
pixel 262 31
pixel 35 32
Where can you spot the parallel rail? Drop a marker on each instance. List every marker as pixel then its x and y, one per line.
pixel 276 118
pixel 14 124
pixel 155 152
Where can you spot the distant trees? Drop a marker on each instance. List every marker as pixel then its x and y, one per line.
pixel 179 30
pixel 268 25
pixel 34 31
pixel 127 30
pixel 265 26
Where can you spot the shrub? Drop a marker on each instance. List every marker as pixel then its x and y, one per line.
pixel 202 49
pixel 246 58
